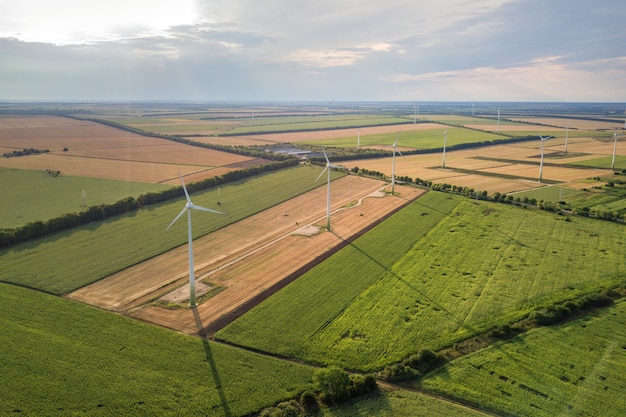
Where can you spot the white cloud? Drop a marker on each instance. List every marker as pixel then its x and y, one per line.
pixel 344 49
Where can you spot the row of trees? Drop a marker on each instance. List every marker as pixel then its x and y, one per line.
pixel 24 152
pixel 40 228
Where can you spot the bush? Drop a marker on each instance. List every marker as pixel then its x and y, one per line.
pixel 333 384
pixel 308 400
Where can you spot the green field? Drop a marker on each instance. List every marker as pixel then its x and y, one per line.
pixel 311 123
pixel 604 198
pixel 401 403
pixel 605 162
pixel 418 139
pixel 35 195
pixel 70 259
pixel 441 270
pixel 60 357
pixel 578 368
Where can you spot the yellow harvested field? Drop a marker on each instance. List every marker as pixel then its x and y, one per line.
pixel 250 258
pixel 572 123
pixel 428 166
pixel 96 150
pixel 514 128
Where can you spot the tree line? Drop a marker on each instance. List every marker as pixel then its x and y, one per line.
pixel 40 228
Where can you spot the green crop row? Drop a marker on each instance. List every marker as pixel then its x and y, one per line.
pixel 459 267
pixel 576 368
pixel 70 259
pixel 60 357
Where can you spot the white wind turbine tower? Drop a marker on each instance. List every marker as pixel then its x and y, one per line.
pixel 541 162
pixel 445 138
pixel 624 119
pixel 327 169
pixel 358 138
pixel 498 125
pixel 615 136
pixel 393 164
pixel 414 112
pixel 566 138
pixel 188 207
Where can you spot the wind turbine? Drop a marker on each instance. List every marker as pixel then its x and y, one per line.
pixel 498 126
pixel 615 136
pixel 327 169
pixel 541 163
pixel 188 207
pixel 445 138
pixel 566 138
pixel 358 138
pixel 393 164
pixel 414 113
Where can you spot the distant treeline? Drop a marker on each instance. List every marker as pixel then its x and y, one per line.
pixel 24 152
pixel 40 228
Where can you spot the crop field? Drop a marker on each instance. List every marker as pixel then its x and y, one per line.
pixel 60 357
pixel 572 123
pixel 100 249
pixel 416 138
pixel 40 196
pixel 251 275
pixel 344 137
pixel 578 368
pixel 298 123
pixel 502 168
pixel 467 267
pixel 402 403
pixel 98 151
pixel 396 274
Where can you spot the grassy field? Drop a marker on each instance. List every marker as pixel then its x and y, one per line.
pixel 64 358
pixel 101 248
pixel 599 197
pixel 301 123
pixel 443 269
pixel 417 139
pixel 578 368
pixel 605 162
pixel 401 403
pixel 35 195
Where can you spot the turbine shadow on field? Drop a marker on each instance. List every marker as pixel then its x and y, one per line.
pixel 388 270
pixel 211 361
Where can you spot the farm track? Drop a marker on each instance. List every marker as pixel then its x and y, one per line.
pixel 251 259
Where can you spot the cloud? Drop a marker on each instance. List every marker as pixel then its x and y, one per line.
pixel 340 49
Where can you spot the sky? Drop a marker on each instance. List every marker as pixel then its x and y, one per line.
pixel 315 50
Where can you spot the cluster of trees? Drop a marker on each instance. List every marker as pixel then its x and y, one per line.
pixel 415 366
pixel 562 311
pixel 560 207
pixel 40 228
pixel 24 152
pixel 333 386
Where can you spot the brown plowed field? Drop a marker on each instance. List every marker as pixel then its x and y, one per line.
pixel 96 150
pixel 251 258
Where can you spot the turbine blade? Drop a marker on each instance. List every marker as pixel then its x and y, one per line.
pixel 184 188
pixel 325 156
pixel 396 142
pixel 207 209
pixel 177 217
pixel 322 173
